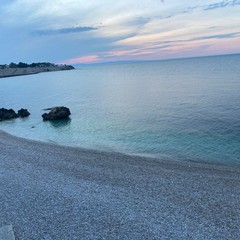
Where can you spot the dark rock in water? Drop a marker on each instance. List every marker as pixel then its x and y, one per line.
pixel 23 113
pixel 6 114
pixel 57 113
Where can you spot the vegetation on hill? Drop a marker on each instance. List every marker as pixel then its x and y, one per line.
pixel 32 65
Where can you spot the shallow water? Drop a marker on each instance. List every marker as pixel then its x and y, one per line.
pixel 177 109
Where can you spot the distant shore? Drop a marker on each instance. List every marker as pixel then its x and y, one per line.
pixel 13 72
pixel 57 192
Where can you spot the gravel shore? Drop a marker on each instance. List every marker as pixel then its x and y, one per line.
pixel 55 192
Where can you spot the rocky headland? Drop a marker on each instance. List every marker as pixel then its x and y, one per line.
pixel 19 69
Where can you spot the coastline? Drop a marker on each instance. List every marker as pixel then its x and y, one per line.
pixel 72 193
pixel 14 72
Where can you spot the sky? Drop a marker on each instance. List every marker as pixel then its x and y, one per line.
pixel 97 31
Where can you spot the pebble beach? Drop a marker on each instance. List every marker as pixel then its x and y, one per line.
pixel 55 192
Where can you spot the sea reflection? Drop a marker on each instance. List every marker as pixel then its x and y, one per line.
pixel 62 123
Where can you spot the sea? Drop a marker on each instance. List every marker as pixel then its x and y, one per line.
pixel 181 110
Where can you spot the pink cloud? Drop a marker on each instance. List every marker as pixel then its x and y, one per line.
pixel 129 53
pixel 157 51
pixel 118 53
pixel 84 59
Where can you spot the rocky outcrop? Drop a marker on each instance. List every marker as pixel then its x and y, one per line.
pixel 57 113
pixel 27 69
pixel 6 114
pixel 23 113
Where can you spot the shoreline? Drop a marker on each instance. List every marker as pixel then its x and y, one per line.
pixel 127 154
pixel 186 163
pixel 58 192
pixel 15 72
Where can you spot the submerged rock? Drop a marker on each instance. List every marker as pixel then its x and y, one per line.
pixel 23 113
pixel 57 113
pixel 6 114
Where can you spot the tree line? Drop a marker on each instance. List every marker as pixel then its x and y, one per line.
pixel 25 65
pixel 32 65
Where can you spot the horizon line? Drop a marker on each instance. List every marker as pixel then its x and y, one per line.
pixel 154 60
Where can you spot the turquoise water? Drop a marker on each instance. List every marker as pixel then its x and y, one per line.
pixel 185 109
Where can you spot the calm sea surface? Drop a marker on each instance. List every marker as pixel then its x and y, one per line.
pixel 185 109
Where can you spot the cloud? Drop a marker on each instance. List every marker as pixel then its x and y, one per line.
pixel 63 30
pixel 219 36
pixel 140 21
pixel 222 4
pixel 83 60
pixel 106 30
